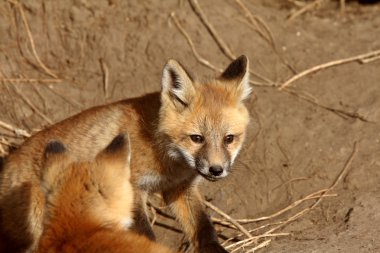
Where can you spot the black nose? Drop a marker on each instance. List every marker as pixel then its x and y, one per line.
pixel 216 170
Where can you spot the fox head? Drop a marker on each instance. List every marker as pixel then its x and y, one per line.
pixel 99 189
pixel 205 122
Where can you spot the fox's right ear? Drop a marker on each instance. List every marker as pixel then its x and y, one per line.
pixel 117 153
pixel 177 85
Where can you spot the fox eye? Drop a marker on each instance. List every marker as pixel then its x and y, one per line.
pixel 197 138
pixel 229 139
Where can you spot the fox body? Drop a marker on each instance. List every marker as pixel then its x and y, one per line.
pixel 191 129
pixel 89 204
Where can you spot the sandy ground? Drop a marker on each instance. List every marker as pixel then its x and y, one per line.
pixel 299 140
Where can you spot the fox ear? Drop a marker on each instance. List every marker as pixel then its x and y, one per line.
pixel 117 153
pixel 54 158
pixel 177 85
pixel 54 151
pixel 238 73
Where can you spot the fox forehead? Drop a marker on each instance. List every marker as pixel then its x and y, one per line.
pixel 215 109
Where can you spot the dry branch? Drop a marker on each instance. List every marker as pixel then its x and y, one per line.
pixel 219 41
pixel 199 58
pixel 105 71
pixel 229 218
pixel 306 8
pixel 30 36
pixel 29 80
pixel 361 58
pixel 191 44
pixel 32 106
pixel 17 131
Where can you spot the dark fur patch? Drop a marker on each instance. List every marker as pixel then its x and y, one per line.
pixel 55 147
pixel 206 233
pixel 116 144
pixel 236 69
pixel 141 223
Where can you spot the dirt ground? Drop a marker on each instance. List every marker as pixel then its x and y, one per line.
pixel 95 52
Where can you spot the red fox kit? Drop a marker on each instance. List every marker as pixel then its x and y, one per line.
pixel 89 204
pixel 192 129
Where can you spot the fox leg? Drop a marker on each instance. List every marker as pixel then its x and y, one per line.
pixel 141 224
pixel 187 206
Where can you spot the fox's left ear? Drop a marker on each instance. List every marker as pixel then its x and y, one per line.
pixel 177 85
pixel 238 73
pixel 55 159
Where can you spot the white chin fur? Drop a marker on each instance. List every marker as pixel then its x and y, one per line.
pixel 175 153
pixel 234 155
pixel 127 222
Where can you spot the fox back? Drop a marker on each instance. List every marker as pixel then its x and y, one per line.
pixel 89 204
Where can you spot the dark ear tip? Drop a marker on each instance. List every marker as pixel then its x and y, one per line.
pixel 237 68
pixel 55 147
pixel 117 143
pixel 242 58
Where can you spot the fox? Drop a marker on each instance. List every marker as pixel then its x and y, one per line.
pixel 89 204
pixel 190 131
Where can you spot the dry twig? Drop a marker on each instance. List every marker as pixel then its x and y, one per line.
pixel 219 41
pixel 33 107
pixel 229 218
pixel 201 59
pixel 17 131
pixel 306 8
pixel 361 58
pixel 30 36
pixel 29 80
pixel 105 71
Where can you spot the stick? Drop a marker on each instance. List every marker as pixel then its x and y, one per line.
pixel 313 195
pixel 199 58
pixel 305 9
pixel 254 237
pixel 105 71
pixel 42 65
pixel 255 21
pixel 220 42
pixel 29 80
pixel 229 218
pixel 16 130
pixel 339 112
pixel 33 107
pixel 191 44
pixel 334 184
pixel 261 245
pixel 361 58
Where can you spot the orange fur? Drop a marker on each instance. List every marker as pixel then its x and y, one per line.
pixel 165 157
pixel 89 203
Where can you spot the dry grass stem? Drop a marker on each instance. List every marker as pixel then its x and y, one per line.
pixel 307 7
pixel 29 80
pixel 314 195
pixel 105 71
pixel 260 246
pixel 229 218
pixel 31 105
pixel 257 24
pixel 219 41
pixel 339 112
pixel 361 58
pixel 17 131
pixel 202 60
pixel 30 36
pixel 199 58
pixel 254 238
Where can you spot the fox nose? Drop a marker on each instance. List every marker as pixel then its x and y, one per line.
pixel 216 170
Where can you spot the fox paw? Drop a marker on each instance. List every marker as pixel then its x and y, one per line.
pixel 212 248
